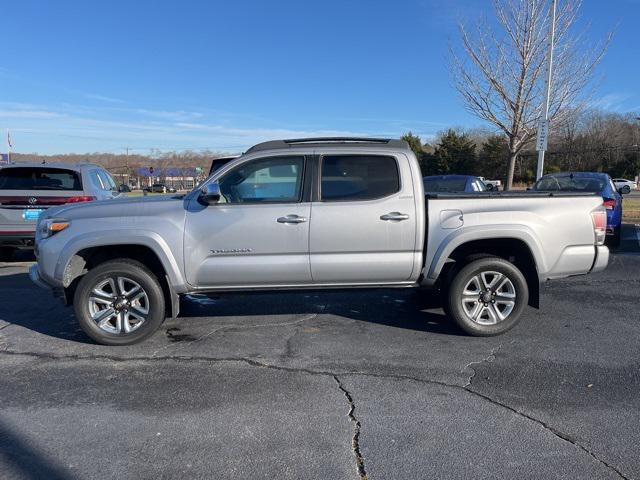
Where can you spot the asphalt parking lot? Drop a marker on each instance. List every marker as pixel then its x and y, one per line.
pixel 328 386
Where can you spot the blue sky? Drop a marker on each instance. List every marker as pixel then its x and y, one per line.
pixel 221 75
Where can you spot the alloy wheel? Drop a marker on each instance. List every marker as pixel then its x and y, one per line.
pixel 118 305
pixel 488 298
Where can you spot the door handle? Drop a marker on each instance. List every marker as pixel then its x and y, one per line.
pixel 292 219
pixel 394 217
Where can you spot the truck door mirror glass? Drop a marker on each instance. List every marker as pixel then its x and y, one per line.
pixel 210 193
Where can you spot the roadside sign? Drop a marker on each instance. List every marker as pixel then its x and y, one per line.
pixel 543 135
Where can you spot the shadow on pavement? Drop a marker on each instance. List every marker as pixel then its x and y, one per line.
pixel 630 239
pixel 27 460
pixel 24 304
pixel 22 256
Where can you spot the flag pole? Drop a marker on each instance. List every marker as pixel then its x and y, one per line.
pixel 8 147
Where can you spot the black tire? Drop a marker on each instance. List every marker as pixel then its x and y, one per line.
pixel 626 189
pixel 135 272
pixel 6 254
pixel 473 270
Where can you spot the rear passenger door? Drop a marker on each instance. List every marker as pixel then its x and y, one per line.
pixel 363 220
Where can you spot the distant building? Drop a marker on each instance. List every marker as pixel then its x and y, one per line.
pixel 180 178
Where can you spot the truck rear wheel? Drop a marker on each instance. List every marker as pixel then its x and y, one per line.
pixel 487 296
pixel 119 302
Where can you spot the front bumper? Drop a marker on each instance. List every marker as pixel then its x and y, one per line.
pixel 602 259
pixel 34 275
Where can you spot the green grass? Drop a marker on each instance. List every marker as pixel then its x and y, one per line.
pixel 138 193
pixel 631 208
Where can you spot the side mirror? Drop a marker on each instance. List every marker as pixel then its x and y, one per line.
pixel 210 193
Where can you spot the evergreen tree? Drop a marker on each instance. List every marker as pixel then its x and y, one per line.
pixel 415 142
pixel 493 157
pixel 455 154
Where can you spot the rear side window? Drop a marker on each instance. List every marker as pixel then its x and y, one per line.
pixel 36 178
pixel 552 183
pixel 358 177
pixel 107 181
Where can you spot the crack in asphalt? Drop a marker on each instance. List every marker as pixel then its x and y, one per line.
pixel 553 430
pixel 561 435
pixel 305 318
pixel 254 363
pixel 355 441
pixel 490 358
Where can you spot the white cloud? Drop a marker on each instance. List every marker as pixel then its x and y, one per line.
pixel 28 114
pixel 616 102
pixel 102 98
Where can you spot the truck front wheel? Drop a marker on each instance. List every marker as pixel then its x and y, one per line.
pixel 487 296
pixel 119 302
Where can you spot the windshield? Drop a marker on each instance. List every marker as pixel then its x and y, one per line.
pixel 37 178
pixel 570 183
pixel 444 184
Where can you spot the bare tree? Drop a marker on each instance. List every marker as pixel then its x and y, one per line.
pixel 500 70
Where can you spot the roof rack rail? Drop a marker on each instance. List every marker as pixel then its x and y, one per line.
pixel 276 144
pixel 337 140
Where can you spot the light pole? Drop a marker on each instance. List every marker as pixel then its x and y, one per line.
pixel 543 128
pixel 637 145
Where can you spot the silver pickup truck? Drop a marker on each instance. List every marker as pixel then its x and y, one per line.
pixel 315 214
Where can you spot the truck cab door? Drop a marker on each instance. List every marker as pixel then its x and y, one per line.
pixel 364 220
pixel 258 233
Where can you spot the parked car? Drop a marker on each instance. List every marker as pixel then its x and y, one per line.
pixel 453 183
pixel 124 188
pixel 315 213
pixel 625 186
pixel 495 184
pixel 589 182
pixel 28 189
pixel 158 188
pixel 171 190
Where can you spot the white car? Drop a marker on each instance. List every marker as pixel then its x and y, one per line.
pixel 492 184
pixel 625 186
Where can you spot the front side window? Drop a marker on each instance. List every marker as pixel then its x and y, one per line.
pixel 358 177
pixel 269 180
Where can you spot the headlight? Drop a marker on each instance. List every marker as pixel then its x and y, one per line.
pixel 51 226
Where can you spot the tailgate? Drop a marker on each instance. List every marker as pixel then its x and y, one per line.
pixel 19 210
